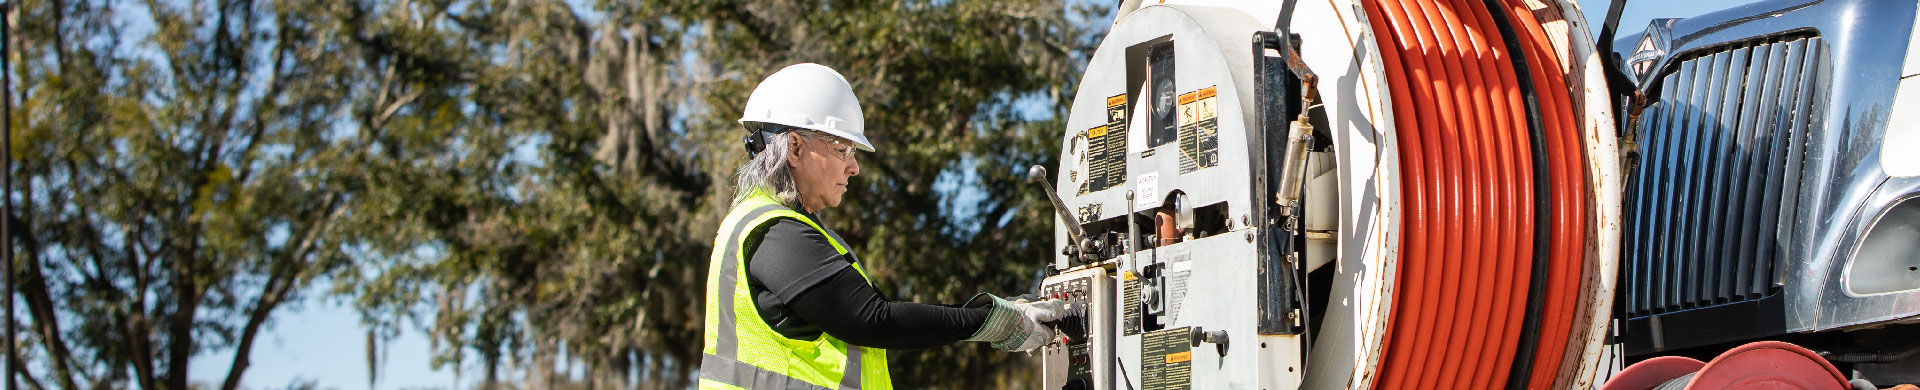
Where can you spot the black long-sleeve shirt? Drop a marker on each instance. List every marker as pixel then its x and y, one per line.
pixel 803 287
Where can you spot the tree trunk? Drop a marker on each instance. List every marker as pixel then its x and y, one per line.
pixel 540 372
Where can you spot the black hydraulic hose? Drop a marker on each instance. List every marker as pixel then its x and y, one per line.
pixel 1522 371
pixel 1284 23
pixel 1608 30
pixel 1617 81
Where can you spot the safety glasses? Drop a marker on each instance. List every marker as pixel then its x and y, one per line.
pixel 840 149
pixel 843 150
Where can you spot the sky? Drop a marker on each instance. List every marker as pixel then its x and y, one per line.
pixel 1637 14
pixel 322 340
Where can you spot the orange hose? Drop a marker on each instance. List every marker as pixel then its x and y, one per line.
pixel 1462 279
pixel 1504 104
pixel 1416 312
pixel 1500 340
pixel 1421 173
pixel 1447 83
pixel 1414 196
pixel 1570 201
pixel 1467 236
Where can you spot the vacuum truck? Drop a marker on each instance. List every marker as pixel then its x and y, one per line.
pixel 1473 194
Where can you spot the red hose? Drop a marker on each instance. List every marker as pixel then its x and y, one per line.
pixel 1463 278
pixel 1467 236
pixel 1570 200
pixel 1421 174
pixel 1503 103
pixel 1456 198
pixel 1415 313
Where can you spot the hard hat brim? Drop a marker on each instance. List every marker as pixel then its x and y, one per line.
pixel 859 141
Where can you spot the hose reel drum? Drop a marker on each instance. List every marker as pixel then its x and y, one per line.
pixel 1185 111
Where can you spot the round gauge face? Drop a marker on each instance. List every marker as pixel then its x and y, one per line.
pixel 1163 97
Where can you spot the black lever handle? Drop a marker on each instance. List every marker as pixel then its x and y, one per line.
pixel 1075 236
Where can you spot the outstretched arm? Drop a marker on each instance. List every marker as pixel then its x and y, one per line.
pixel 804 285
pixel 846 307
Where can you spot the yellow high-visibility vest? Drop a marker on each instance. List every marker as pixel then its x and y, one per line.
pixel 742 352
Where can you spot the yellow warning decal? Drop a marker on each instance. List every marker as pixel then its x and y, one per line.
pixel 1117 100
pixel 1131 276
pixel 1207 92
pixel 1188 97
pixel 1179 357
pixel 1097 131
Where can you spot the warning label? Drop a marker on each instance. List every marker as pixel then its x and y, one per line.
pixel 1177 271
pixel 1166 360
pixel 1130 305
pixel 1180 357
pixel 1107 148
pixel 1199 130
pixel 1189 125
pixel 1209 129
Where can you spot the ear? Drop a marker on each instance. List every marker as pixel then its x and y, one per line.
pixel 793 144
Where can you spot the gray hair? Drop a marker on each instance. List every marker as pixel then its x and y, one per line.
pixel 770 171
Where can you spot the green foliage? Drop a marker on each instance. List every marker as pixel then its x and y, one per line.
pixel 173 190
pixel 528 181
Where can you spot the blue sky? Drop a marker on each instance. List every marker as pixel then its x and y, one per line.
pixel 1635 17
pixel 322 339
pixel 324 342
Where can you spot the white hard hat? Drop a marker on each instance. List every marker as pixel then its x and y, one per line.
pixel 809 96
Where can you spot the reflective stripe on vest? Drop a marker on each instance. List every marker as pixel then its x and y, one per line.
pixel 725 364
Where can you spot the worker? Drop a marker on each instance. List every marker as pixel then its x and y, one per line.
pixel 788 304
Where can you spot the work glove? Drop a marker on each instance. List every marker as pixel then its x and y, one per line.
pixel 1018 326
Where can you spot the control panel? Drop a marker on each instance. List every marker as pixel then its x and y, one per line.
pixel 1083 352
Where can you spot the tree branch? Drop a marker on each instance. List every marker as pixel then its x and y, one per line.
pixel 284 277
pixel 186 295
pixel 135 329
pixel 20 368
pixel 257 127
pixel 275 290
pixel 40 308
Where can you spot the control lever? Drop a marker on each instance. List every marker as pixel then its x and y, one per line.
pixel 1073 325
pixel 1217 337
pixel 1075 236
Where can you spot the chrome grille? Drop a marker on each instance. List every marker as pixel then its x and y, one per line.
pixel 1719 159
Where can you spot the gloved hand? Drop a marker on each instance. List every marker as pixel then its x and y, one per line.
pixel 1018 326
pixel 1044 311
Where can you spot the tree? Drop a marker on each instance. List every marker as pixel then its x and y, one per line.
pixel 529 181
pixel 178 183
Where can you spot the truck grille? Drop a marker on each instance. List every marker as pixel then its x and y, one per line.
pixel 1719 160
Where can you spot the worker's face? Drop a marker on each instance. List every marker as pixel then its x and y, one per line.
pixel 821 167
